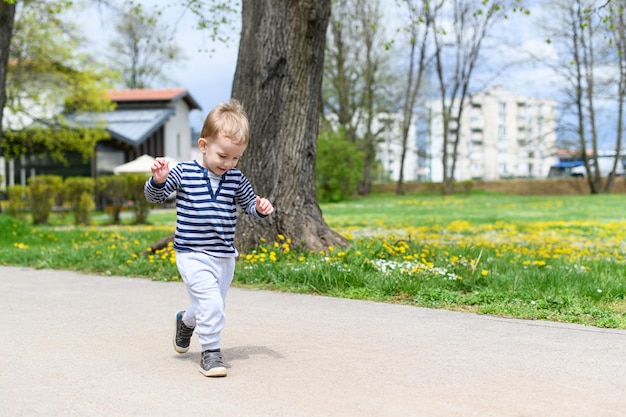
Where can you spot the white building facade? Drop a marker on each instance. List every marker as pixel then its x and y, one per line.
pixel 389 152
pixel 501 136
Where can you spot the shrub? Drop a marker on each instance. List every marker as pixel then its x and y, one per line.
pixel 43 191
pixel 339 167
pixel 465 186
pixel 18 197
pixel 82 213
pixel 78 193
pixel 111 188
pixel 432 188
pixel 133 191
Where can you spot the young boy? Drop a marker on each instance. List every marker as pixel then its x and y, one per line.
pixel 207 192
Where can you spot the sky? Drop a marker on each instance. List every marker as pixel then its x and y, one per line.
pixel 208 76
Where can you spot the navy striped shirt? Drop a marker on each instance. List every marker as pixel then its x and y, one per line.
pixel 205 218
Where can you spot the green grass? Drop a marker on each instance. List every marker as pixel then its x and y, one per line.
pixel 549 258
pixel 476 208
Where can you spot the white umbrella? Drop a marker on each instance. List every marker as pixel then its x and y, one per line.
pixel 140 165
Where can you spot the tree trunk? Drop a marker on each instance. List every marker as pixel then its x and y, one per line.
pixel 7 17
pixel 279 81
pixel 365 185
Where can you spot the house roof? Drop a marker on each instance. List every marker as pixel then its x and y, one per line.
pixel 154 95
pixel 140 113
pixel 131 126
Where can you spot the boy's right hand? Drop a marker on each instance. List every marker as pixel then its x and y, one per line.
pixel 160 168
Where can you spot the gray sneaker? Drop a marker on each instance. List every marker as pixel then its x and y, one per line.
pixel 182 336
pixel 211 363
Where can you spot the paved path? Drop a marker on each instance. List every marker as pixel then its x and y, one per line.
pixel 81 345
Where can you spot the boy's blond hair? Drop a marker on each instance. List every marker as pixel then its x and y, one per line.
pixel 230 120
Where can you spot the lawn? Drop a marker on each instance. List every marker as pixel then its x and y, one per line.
pixel 552 258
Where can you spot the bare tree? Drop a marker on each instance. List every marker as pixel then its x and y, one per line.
pixel 279 80
pixel 140 51
pixel 459 28
pixel 342 72
pixel 418 31
pixel 582 44
pixel 357 82
pixel 618 27
pixel 593 70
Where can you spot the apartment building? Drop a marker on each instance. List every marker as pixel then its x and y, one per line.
pixel 502 135
pixel 389 152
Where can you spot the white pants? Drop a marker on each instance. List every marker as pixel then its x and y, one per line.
pixel 207 279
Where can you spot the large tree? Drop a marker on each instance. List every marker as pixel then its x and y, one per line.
pixel 279 79
pixel 7 17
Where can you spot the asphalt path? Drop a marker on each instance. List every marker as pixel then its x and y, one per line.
pixel 82 345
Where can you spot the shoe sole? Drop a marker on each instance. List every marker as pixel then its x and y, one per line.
pixel 180 349
pixel 177 348
pixel 219 371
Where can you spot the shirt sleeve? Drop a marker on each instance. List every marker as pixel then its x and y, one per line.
pixel 246 198
pixel 158 193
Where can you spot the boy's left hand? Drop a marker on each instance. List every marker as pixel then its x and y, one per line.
pixel 263 206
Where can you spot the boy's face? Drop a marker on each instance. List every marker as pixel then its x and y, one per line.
pixel 221 154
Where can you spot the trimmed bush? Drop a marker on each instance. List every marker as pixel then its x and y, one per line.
pixel 43 191
pixel 133 191
pixel 465 186
pixel 339 167
pixel 18 199
pixel 82 213
pixel 78 193
pixel 111 189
